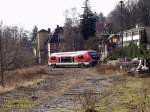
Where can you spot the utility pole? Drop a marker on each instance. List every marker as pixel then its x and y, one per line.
pixel 121 2
pixel 1 60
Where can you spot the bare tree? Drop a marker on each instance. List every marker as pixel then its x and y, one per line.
pixel 16 48
pixel 73 40
pixel 134 12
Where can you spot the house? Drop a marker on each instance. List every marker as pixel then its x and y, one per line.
pixel 40 49
pixel 43 38
pixel 109 45
pixel 107 40
pixel 56 40
pixel 138 35
pixel 113 42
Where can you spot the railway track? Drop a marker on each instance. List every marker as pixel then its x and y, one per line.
pixel 70 101
pixel 61 90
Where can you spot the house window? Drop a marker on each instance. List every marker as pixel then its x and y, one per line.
pixel 124 34
pixel 115 40
pixel 135 33
pixel 129 34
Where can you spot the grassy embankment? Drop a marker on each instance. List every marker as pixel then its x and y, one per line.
pixel 22 78
pixel 127 95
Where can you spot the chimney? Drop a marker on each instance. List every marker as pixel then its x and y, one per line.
pixel 49 30
pixel 136 26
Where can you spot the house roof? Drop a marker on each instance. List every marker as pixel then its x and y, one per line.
pixel 133 29
pixel 111 36
pixel 55 36
pixel 42 30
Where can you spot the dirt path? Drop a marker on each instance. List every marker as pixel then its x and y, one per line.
pixel 57 93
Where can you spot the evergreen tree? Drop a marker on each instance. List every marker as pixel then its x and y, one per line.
pixel 88 22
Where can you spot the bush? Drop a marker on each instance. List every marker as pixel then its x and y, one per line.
pixel 131 51
pixel 115 55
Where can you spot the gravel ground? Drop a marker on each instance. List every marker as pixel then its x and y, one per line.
pixel 59 92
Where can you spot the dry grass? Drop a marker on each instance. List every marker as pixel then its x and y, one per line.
pixel 134 97
pixel 22 77
pixel 107 69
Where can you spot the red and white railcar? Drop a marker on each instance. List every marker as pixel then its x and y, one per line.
pixel 78 58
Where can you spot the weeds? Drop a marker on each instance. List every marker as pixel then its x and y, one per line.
pixel 133 97
pixel 22 77
pixel 88 100
pixel 107 69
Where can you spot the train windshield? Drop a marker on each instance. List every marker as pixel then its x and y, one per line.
pixel 94 55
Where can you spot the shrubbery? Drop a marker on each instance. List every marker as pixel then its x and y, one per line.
pixel 130 51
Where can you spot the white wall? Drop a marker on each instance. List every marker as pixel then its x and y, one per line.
pixel 130 38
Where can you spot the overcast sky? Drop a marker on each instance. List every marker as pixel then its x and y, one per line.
pixel 45 13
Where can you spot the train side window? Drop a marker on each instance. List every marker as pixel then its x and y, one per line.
pixel 80 57
pixel 53 58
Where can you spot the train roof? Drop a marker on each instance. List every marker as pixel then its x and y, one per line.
pixel 74 53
